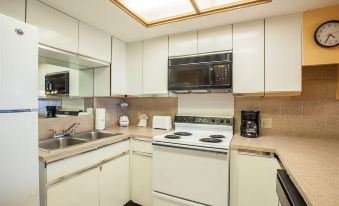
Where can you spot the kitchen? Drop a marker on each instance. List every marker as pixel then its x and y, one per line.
pixel 169 103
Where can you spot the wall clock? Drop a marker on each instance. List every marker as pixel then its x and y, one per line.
pixel 327 34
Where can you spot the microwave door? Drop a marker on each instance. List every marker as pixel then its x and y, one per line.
pixel 190 77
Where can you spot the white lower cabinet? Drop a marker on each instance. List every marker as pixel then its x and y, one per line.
pixel 114 182
pixel 253 179
pixel 142 179
pixel 141 175
pixel 82 189
pixel 96 178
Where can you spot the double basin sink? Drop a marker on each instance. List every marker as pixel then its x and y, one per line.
pixel 72 140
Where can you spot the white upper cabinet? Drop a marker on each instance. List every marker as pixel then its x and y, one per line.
pixel 134 68
pixel 183 44
pixel 283 53
pixel 248 58
pixel 118 67
pixel 13 8
pixel 56 29
pixel 155 70
pixel 94 43
pixel 101 82
pixel 215 39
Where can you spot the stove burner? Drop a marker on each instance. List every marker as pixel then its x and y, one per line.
pixel 217 136
pixel 211 140
pixel 182 133
pixel 172 136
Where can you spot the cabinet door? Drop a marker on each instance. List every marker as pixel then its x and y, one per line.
pixel 82 189
pixel 142 178
pixel 102 82
pixel 215 39
pixel 118 67
pixel 13 8
pixel 56 29
pixel 183 44
pixel 248 57
pixel 114 182
pixel 257 180
pixel 134 68
pixel 283 37
pixel 155 70
pixel 94 43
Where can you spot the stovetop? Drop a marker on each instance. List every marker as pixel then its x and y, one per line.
pixel 221 140
pixel 193 131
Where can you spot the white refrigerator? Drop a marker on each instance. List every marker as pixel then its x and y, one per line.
pixel 19 174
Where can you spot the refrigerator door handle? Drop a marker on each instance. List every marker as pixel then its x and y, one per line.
pixel 17 111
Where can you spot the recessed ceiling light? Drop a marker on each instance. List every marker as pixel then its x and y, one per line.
pixel 156 12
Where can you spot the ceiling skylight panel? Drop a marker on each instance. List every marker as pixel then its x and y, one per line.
pixel 155 10
pixel 209 4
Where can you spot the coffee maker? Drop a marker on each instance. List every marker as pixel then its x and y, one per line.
pixel 250 124
pixel 51 111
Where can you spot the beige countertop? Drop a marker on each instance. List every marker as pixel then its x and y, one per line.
pixel 312 163
pixel 139 132
pixel 127 132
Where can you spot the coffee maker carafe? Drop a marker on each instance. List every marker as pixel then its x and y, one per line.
pixel 250 124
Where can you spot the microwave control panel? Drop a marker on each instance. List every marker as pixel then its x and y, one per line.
pixel 222 75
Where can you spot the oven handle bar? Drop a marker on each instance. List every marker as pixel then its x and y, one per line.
pixel 189 147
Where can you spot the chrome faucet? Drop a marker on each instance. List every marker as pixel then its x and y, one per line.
pixel 71 128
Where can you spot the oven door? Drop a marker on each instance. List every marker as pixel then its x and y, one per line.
pixel 190 77
pixel 190 176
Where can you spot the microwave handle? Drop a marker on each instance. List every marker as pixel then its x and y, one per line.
pixel 49 86
pixel 210 74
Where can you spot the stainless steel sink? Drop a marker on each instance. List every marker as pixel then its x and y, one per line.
pixel 67 141
pixel 59 143
pixel 95 135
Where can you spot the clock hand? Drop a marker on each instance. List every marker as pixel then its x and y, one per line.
pixel 331 35
pixel 327 38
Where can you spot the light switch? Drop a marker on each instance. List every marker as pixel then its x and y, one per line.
pixel 266 123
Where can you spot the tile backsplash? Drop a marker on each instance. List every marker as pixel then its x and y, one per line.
pixel 61 123
pixel 315 113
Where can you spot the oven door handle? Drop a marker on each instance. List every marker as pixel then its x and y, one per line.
pixel 188 147
pixel 287 193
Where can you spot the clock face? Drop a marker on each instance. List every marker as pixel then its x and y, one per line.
pixel 327 34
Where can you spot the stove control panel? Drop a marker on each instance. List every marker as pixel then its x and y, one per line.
pixel 204 120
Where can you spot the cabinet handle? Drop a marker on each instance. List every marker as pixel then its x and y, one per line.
pixel 142 154
pixel 79 172
pixel 19 31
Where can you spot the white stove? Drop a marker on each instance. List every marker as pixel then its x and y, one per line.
pixel 192 161
pixel 207 133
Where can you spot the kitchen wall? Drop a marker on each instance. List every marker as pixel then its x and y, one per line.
pixel 315 113
pixel 61 123
pixel 214 104
pixel 313 53
pixel 147 105
pixel 163 106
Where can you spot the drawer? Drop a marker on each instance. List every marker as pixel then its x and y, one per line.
pixel 142 146
pixel 78 162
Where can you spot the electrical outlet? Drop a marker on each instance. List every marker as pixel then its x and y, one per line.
pixel 266 123
pixel 108 118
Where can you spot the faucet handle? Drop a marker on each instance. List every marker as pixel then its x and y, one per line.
pixel 54 132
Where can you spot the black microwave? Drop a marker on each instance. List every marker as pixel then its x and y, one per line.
pixel 209 72
pixel 57 84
